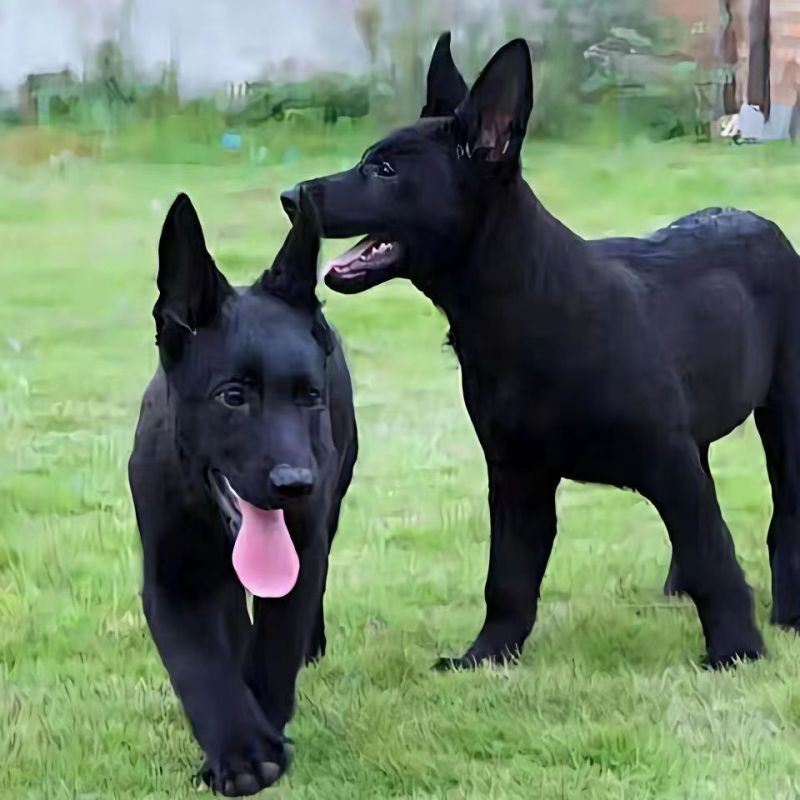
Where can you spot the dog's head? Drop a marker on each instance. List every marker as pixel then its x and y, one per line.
pixel 418 195
pixel 246 375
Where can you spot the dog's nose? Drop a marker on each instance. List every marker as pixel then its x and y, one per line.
pixel 290 200
pixel 291 481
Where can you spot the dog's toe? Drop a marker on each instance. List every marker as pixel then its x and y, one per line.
pixel 240 775
pixel 269 772
pixel 248 784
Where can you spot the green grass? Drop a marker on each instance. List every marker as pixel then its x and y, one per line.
pixel 608 702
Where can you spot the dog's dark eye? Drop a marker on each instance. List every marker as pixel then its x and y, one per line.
pixel 232 397
pixel 307 395
pixel 382 170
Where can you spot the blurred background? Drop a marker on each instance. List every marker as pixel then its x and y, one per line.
pixel 190 79
pixel 645 110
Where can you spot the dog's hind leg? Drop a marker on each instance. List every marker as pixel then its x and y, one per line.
pixel 318 642
pixel 683 493
pixel 523 527
pixel 674 586
pixel 778 424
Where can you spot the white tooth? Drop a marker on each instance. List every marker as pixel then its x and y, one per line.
pixel 230 488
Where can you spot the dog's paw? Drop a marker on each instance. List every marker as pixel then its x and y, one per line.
pixel 255 764
pixel 786 622
pixel 450 664
pixel 732 659
pixel 470 662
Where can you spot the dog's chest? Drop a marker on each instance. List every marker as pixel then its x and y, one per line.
pixel 510 411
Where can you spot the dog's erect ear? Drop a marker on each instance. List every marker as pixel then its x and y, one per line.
pixel 293 275
pixel 494 118
pixel 191 288
pixel 446 87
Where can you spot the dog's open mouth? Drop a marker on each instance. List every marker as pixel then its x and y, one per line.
pixel 264 556
pixel 372 261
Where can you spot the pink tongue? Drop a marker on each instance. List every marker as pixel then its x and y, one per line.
pixel 264 556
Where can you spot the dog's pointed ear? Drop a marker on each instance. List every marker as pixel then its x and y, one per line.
pixel 446 87
pixel 494 117
pixel 191 289
pixel 293 275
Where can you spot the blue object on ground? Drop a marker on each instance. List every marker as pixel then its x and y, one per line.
pixel 232 140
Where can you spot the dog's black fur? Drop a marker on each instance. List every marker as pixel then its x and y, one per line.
pixel 252 385
pixel 616 361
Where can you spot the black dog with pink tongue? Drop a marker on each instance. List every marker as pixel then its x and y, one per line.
pixel 244 451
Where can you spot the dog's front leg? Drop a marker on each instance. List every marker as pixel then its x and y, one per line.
pixel 523 519
pixel 198 636
pixel 282 630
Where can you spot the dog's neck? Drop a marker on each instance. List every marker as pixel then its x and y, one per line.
pixel 518 264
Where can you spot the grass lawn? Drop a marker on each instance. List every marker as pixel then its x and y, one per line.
pixel 608 701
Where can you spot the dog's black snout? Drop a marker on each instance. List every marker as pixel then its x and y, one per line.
pixel 290 200
pixel 291 481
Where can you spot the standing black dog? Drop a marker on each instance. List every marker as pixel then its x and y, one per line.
pixel 244 450
pixel 616 361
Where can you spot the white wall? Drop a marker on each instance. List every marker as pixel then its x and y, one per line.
pixel 221 41
pixel 213 42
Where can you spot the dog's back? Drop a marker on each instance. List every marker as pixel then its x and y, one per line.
pixel 714 239
pixel 717 291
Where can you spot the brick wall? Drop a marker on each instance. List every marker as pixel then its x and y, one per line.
pixel 785 51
